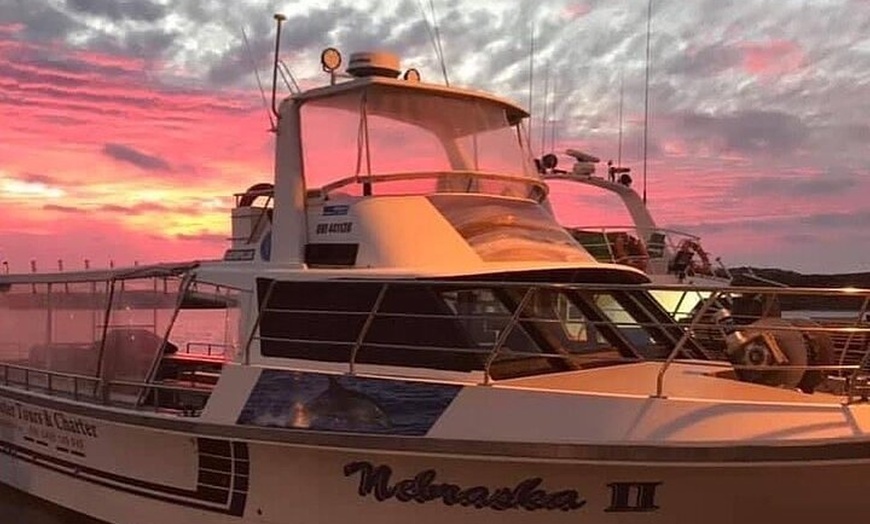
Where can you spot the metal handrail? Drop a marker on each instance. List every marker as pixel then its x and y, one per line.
pixel 104 397
pixel 502 337
pixel 208 345
pixel 716 292
pixel 259 318
pixel 365 328
pixel 660 378
pixel 401 177
pixel 688 331
pixel 853 379
pixel 506 319
pixel 633 227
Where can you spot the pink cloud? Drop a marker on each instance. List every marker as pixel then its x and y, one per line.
pixel 772 57
pixel 81 129
pixel 56 122
pixel 576 10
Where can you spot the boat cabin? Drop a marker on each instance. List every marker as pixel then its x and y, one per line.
pixel 379 172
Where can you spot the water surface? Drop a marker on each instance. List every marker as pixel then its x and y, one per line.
pixel 19 508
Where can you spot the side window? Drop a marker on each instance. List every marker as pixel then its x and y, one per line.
pixel 413 326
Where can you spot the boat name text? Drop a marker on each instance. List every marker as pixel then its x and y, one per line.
pixel 48 419
pixel 423 487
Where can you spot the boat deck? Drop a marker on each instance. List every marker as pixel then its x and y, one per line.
pixel 707 381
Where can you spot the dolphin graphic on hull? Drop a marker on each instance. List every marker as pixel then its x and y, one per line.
pixel 340 408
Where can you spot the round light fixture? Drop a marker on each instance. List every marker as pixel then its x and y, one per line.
pixel 330 59
pixel 412 75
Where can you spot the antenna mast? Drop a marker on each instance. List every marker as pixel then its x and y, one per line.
pixel 621 96
pixel 553 116
pixel 434 36
pixel 259 83
pixel 286 69
pixel 646 98
pixel 531 79
pixel 438 42
pixel 546 107
pixel 278 18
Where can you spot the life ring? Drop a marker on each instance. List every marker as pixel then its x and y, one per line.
pixel 630 251
pixel 699 266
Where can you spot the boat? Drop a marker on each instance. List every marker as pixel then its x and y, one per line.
pixel 417 339
pixel 668 256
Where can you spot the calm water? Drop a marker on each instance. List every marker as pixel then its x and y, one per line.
pixel 18 508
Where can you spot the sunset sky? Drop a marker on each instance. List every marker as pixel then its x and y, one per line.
pixel 126 126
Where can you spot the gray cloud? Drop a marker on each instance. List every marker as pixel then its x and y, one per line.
pixel 204 237
pixel 64 209
pixel 40 20
pixel 152 45
pixel 779 227
pixel 835 221
pixel 786 184
pixel 135 157
pixel 748 132
pixel 143 208
pixel 708 60
pixel 141 10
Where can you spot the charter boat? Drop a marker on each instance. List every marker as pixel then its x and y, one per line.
pixel 668 256
pixel 417 339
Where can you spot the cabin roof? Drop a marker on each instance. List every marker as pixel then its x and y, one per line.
pixel 514 112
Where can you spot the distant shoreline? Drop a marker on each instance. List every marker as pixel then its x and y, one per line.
pixel 794 279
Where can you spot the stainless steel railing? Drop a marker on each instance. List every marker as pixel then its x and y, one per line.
pixel 498 324
pixel 626 318
pixel 95 389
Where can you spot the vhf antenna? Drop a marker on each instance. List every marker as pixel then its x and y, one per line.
pixel 621 96
pixel 259 83
pixel 531 80
pixel 434 36
pixel 646 98
pixel 279 18
pixel 438 42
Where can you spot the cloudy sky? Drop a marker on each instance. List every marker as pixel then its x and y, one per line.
pixel 125 126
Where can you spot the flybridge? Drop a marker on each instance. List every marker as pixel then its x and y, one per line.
pixel 460 141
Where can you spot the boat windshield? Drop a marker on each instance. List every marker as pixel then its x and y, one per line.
pixel 415 141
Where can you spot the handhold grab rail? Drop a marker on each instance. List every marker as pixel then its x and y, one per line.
pixel 687 333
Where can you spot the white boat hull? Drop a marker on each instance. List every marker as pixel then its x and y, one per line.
pixel 126 474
